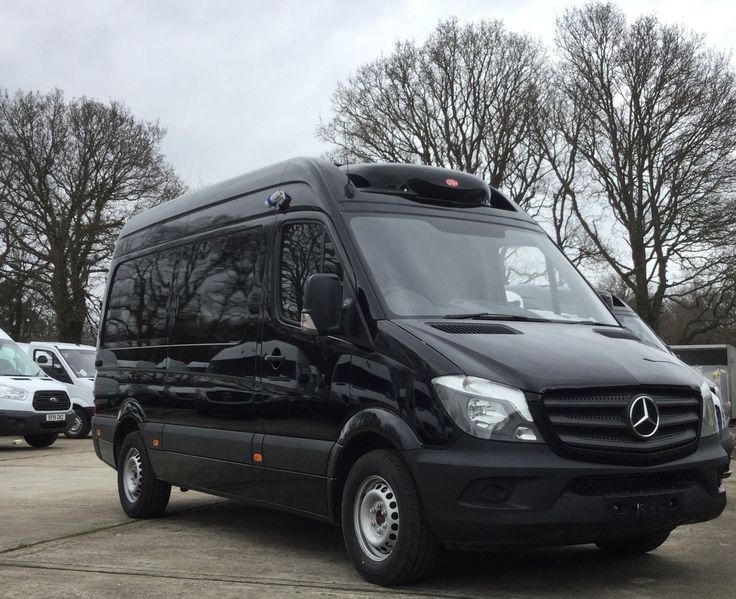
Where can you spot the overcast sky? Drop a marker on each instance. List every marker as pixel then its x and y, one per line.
pixel 240 84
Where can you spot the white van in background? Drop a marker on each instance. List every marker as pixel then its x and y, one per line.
pixel 32 405
pixel 73 365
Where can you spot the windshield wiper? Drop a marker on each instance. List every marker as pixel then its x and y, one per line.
pixel 492 316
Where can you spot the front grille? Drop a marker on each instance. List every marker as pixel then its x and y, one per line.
pixel 632 484
pixel 51 401
pixel 597 421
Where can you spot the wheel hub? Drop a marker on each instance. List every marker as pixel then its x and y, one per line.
pixel 76 425
pixel 132 475
pixel 376 518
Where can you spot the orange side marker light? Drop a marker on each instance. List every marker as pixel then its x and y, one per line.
pixel 155 442
pixel 257 458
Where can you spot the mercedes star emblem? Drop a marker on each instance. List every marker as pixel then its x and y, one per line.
pixel 644 416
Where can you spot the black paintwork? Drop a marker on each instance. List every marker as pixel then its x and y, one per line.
pixel 303 402
pixel 582 356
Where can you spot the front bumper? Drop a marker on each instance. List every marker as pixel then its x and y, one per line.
pixel 727 441
pixel 480 493
pixel 22 423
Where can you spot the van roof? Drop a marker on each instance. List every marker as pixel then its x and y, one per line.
pixel 303 170
pixel 62 345
pixel 4 335
pixel 331 184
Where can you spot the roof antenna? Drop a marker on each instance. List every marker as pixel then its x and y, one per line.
pixel 349 187
pixel 280 199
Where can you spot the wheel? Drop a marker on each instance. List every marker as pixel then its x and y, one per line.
pixel 142 495
pixel 385 530
pixel 635 545
pixel 80 424
pixel 40 440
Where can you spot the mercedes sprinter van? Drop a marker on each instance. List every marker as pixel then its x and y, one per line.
pixel 397 349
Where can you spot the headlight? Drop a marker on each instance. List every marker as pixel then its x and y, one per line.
pixel 12 393
pixel 710 424
pixel 486 409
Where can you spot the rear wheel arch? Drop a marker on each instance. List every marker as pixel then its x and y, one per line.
pixel 124 428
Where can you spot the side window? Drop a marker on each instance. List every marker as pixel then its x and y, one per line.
pixel 43 357
pixel 306 249
pixel 51 365
pixel 137 306
pixel 218 283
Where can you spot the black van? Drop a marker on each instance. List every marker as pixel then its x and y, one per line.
pixel 397 349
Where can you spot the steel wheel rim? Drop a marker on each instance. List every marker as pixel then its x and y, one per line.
pixel 376 518
pixel 75 426
pixel 132 475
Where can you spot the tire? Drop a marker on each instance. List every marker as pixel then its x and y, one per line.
pixel 141 494
pixel 80 425
pixel 41 440
pixel 635 545
pixel 382 552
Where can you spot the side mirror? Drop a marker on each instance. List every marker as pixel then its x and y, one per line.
pixel 42 359
pixel 322 308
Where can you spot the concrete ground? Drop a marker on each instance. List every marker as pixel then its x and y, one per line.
pixel 63 534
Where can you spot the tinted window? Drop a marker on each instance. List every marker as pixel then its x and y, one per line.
pixel 137 306
pixel 218 288
pixel 306 249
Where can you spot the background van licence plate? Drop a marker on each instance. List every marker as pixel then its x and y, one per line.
pixel 55 417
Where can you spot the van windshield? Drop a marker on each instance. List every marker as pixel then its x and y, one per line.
pixel 81 361
pixel 15 362
pixel 426 266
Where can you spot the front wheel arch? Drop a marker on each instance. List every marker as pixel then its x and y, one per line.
pixel 367 430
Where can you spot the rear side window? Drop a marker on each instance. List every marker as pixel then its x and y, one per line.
pixel 306 249
pixel 138 302
pixel 218 288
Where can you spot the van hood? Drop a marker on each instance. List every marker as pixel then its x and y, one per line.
pixel 32 383
pixel 540 356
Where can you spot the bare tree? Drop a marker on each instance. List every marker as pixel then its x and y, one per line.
pixel 469 99
pixel 71 173
pixel 645 153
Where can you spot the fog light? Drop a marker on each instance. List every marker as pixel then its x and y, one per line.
pixel 495 493
pixel 524 433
